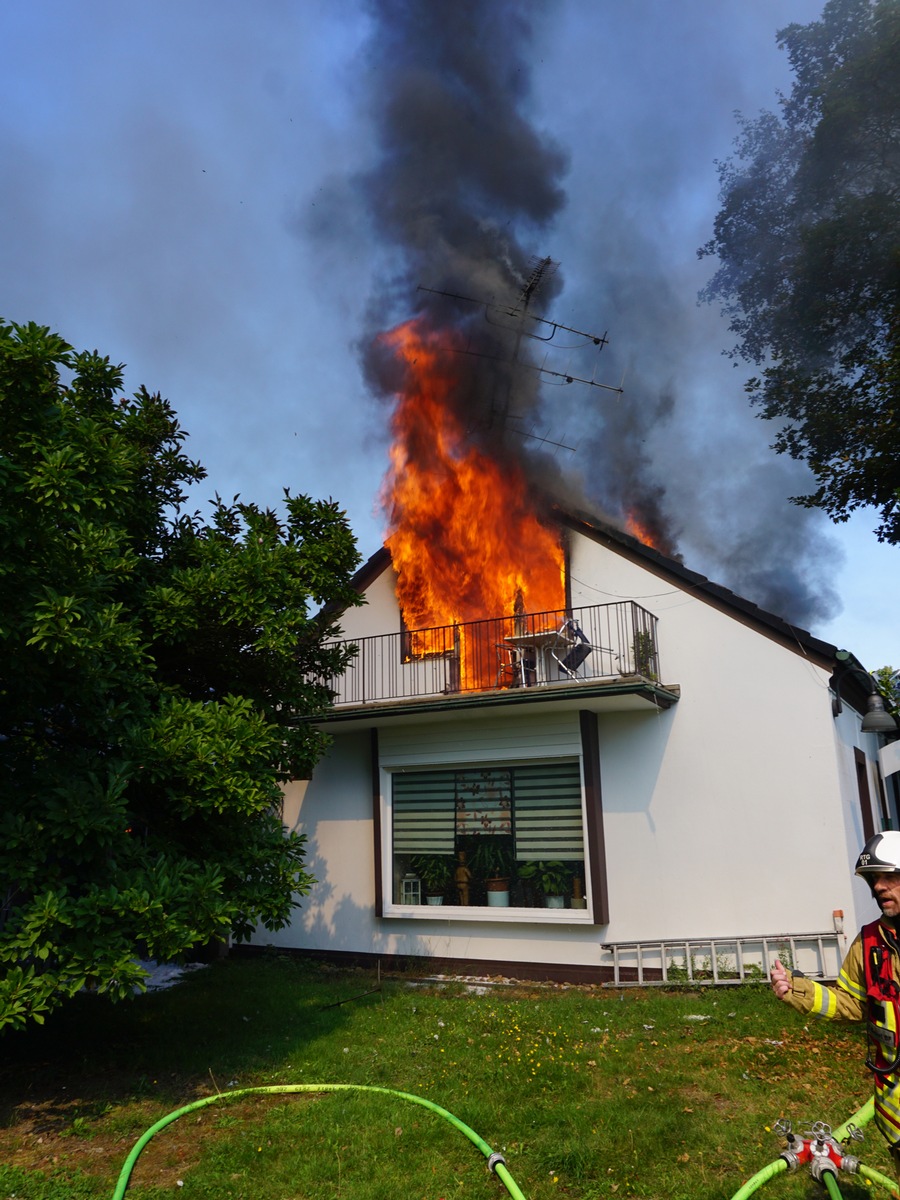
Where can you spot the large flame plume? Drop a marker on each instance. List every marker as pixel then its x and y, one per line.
pixel 465 537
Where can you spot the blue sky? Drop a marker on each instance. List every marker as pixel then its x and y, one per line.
pixel 180 190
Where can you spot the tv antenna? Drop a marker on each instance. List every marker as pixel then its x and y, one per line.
pixel 517 319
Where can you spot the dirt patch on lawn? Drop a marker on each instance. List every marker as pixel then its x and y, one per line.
pixel 65 1134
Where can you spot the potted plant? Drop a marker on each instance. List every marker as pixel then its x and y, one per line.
pixel 492 860
pixel 549 878
pixel 644 654
pixel 435 871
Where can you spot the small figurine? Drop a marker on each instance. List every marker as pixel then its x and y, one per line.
pixel 463 877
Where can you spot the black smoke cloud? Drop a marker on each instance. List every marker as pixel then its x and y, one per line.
pixel 464 187
pixel 465 191
pixel 682 448
pixel 463 175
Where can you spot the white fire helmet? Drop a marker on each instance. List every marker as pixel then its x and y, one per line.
pixel 880 855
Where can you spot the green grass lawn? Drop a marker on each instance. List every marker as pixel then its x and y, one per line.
pixel 588 1092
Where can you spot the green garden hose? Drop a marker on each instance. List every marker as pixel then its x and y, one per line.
pixel 495 1160
pixel 831 1185
pixel 865 1114
pixel 874 1176
pixel 761 1177
pixel 859 1118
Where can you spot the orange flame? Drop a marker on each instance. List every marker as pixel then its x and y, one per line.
pixel 642 531
pixel 464 534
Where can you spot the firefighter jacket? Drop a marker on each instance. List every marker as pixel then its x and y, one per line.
pixel 854 998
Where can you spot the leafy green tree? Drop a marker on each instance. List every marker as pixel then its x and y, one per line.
pixel 808 239
pixel 158 676
pixel 888 681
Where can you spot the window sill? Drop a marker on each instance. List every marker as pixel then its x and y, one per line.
pixel 489 913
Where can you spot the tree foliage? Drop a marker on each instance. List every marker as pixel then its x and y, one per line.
pixel 808 238
pixel 159 672
pixel 888 682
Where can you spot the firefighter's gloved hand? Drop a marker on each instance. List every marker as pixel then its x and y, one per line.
pixel 781 979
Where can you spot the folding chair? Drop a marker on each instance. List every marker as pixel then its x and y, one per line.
pixel 516 668
pixel 571 648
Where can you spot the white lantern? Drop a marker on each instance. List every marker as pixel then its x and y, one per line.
pixel 410 889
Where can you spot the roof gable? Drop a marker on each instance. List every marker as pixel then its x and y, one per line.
pixel 792 636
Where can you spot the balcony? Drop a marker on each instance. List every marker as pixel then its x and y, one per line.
pixel 547 651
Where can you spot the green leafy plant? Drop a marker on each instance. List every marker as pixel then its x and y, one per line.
pixel 677 970
pixel 79 1128
pixel 888 681
pixel 643 653
pixel 785 956
pixel 492 857
pixel 551 878
pixel 435 871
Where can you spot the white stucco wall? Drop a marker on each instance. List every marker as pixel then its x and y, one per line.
pixel 380 613
pixel 746 802
pixel 733 813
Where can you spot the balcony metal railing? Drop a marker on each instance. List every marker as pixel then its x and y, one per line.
pixel 545 649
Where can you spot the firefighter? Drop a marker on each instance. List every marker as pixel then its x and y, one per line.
pixel 868 986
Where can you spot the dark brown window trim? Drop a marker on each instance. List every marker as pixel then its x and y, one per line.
pixel 883 808
pixel 596 843
pixel 376 823
pixel 865 799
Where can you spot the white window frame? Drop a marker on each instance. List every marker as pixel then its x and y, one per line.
pixel 444 915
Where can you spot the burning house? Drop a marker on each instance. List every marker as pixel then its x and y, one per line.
pixel 559 752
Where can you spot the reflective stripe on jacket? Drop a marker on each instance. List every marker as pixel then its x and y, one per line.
pixel 847 1001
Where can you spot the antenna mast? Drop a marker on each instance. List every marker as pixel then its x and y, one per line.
pixel 517 319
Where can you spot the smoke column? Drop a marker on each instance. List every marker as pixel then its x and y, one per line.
pixel 463 190
pixel 463 196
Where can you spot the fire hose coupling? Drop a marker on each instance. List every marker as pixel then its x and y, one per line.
pixel 495 1160
pixel 816 1147
pixel 792 1158
pixel 797 1151
pixel 820 1166
pixel 826 1153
